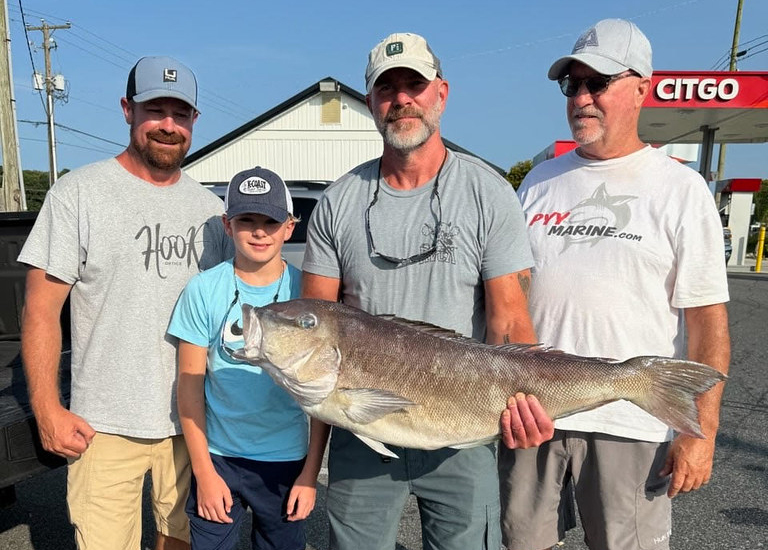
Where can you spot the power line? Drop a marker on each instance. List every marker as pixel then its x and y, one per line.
pixel 41 123
pixel 29 49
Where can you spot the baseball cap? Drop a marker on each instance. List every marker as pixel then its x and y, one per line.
pixel 401 50
pixel 611 47
pixel 159 76
pixel 258 191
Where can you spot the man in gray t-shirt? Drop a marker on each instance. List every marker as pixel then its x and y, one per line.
pixel 121 238
pixel 430 235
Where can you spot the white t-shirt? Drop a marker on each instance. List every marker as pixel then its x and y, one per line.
pixel 621 247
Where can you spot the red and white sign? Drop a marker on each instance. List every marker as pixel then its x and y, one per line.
pixel 688 89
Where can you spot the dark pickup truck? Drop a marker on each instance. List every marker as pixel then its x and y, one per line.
pixel 21 454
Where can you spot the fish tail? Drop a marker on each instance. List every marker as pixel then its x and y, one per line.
pixel 673 389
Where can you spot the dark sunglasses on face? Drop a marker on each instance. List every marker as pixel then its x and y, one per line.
pixel 595 84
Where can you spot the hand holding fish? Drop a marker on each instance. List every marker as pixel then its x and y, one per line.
pixel 525 423
pixel 689 461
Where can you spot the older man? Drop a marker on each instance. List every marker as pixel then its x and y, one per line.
pixel 121 237
pixel 626 243
pixel 430 235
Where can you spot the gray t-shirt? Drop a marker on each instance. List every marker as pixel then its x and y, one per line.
pixel 482 236
pixel 128 248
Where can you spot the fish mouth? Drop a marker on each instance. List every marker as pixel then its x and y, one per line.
pixel 253 333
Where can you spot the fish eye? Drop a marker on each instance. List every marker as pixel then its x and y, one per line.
pixel 307 321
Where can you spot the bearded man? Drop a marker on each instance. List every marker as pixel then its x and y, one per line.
pixel 121 237
pixel 436 236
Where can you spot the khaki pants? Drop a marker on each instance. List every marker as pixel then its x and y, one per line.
pixel 104 490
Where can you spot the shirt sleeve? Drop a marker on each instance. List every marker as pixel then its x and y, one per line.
pixel 320 256
pixel 54 243
pixel 507 247
pixel 701 275
pixel 190 321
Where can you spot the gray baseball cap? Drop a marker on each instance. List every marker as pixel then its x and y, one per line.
pixel 159 76
pixel 258 191
pixel 611 47
pixel 401 50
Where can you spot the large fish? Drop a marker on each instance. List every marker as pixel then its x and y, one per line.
pixel 410 384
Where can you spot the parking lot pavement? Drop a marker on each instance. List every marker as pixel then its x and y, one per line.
pixel 730 513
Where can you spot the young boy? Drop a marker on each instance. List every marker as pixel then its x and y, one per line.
pixel 247 438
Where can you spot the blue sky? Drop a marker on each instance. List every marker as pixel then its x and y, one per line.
pixel 249 56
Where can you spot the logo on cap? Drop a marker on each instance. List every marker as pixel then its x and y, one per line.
pixel 255 186
pixel 394 48
pixel 589 38
pixel 169 75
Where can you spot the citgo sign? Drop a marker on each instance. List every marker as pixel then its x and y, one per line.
pixel 709 89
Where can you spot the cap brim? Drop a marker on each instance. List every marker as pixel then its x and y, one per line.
pixel 428 72
pixel 601 64
pixel 277 214
pixel 156 94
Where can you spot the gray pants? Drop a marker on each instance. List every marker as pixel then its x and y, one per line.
pixel 622 502
pixel 457 493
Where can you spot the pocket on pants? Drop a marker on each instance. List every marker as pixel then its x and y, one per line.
pixel 653 515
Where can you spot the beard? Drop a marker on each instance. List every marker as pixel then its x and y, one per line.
pixel 582 131
pixel 162 157
pixel 409 135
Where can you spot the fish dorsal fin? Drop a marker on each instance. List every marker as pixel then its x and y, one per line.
pixel 520 347
pixel 427 328
pixel 364 405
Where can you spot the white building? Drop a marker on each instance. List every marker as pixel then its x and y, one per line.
pixel 318 134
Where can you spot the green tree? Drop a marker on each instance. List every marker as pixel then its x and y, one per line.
pixel 518 172
pixel 35 186
pixel 761 203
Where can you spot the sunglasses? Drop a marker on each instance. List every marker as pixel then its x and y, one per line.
pixel 415 258
pixel 595 84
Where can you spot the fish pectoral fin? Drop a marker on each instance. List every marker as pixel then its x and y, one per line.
pixel 377 446
pixel 365 405
pixel 475 443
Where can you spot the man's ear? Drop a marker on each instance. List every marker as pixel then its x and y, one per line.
pixel 127 106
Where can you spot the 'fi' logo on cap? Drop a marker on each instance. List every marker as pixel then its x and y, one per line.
pixel 255 186
pixel 394 48
pixel 169 75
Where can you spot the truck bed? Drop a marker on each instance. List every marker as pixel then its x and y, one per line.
pixel 21 454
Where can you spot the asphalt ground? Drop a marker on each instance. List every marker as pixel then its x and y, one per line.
pixel 730 513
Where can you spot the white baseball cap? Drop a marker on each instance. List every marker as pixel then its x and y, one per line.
pixel 611 47
pixel 401 50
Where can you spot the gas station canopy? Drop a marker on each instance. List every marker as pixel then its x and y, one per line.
pixel 706 107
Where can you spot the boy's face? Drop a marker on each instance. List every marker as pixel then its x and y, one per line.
pixel 258 238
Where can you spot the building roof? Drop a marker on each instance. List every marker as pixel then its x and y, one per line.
pixel 291 102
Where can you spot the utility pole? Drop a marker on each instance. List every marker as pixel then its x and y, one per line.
pixel 12 198
pixel 49 92
pixel 732 67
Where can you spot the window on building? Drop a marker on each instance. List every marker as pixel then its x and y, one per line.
pixel 331 111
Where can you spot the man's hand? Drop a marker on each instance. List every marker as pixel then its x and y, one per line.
pixel 524 423
pixel 689 461
pixel 64 433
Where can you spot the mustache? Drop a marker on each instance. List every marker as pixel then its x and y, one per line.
pixel 164 137
pixel 402 112
pixel 586 111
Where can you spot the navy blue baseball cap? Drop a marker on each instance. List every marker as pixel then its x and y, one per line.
pixel 258 191
pixel 160 76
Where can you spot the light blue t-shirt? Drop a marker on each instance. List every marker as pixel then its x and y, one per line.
pixel 247 415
